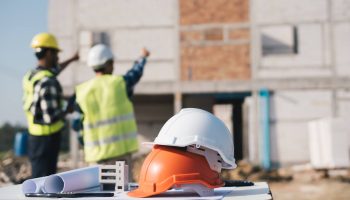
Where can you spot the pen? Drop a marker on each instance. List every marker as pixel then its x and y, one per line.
pixel 70 195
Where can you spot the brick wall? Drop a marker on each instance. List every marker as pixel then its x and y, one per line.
pixel 214 39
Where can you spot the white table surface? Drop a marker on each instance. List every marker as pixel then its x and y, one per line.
pixel 260 191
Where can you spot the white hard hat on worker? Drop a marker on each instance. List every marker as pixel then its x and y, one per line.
pixel 98 56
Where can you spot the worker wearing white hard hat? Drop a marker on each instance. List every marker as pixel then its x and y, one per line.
pixel 108 124
pixel 99 55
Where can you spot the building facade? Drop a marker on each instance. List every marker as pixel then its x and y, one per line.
pixel 223 56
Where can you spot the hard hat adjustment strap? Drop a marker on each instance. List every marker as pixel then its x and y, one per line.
pixel 213 158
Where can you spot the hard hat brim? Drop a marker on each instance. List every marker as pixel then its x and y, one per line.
pixel 141 194
pixel 148 144
pixel 58 49
pixel 227 165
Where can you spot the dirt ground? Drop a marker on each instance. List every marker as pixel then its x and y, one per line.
pixel 323 189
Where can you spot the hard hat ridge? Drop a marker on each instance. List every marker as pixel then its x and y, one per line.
pixel 99 55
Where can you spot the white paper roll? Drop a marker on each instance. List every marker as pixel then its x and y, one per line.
pixel 74 180
pixel 33 185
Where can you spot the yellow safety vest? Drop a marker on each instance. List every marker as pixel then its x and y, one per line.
pixel 28 88
pixel 109 126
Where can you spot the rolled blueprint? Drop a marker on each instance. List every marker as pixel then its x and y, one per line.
pixel 33 185
pixel 75 180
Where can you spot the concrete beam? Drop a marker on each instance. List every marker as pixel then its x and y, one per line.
pixel 168 87
pixel 202 27
pixel 163 87
pixel 272 84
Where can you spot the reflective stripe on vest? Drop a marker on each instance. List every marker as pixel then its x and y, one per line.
pixel 109 123
pixel 112 139
pixel 28 88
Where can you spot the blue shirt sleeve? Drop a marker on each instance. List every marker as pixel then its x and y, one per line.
pixel 133 76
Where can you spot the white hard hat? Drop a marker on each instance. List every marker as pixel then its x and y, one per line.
pixel 99 55
pixel 192 126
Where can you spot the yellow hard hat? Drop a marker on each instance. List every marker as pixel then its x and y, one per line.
pixel 45 40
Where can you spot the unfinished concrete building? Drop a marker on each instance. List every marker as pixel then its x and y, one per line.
pixel 266 68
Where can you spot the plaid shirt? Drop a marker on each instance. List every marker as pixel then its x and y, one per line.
pixel 47 105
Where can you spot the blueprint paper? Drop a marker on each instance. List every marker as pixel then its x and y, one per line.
pixel 74 180
pixel 33 185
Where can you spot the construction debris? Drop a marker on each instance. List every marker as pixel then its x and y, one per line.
pixel 298 173
pixel 15 170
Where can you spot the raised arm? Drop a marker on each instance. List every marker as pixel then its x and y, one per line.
pixel 65 63
pixel 133 76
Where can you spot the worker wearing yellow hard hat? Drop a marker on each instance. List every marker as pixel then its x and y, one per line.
pixel 43 105
pixel 44 40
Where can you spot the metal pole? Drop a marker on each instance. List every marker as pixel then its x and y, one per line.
pixel 177 63
pixel 254 60
pixel 265 125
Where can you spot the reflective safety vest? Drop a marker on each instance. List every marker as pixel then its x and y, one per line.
pixel 109 126
pixel 28 88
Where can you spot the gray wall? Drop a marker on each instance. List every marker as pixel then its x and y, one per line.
pixel 323 54
pixel 303 84
pixel 129 25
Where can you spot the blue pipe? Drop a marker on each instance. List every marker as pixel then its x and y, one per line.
pixel 265 128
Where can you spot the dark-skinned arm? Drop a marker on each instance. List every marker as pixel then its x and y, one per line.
pixel 64 64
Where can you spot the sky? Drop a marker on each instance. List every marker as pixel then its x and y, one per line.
pixel 20 20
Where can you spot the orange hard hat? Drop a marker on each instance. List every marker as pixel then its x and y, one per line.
pixel 166 167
